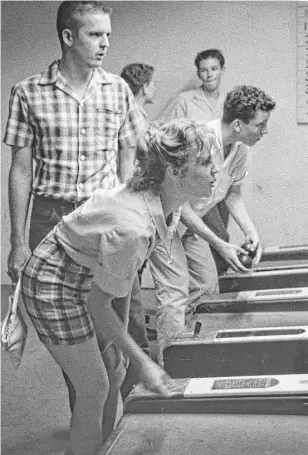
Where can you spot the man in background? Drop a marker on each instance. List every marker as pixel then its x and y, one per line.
pixel 205 103
pixel 140 78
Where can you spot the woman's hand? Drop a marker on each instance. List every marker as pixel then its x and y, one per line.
pixel 155 379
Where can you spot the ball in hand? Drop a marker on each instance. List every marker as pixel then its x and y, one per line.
pixel 247 247
pixel 246 260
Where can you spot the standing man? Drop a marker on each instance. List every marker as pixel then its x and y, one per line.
pixel 205 103
pixel 247 110
pixel 76 121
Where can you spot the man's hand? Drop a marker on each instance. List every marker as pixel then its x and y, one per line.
pixel 17 257
pixel 255 246
pixel 230 253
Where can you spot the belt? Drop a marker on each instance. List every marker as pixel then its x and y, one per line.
pixel 46 201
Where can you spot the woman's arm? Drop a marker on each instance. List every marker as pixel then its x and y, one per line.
pixel 108 326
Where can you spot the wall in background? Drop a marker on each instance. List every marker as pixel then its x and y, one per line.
pixel 258 40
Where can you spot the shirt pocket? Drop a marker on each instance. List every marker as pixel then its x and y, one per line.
pixel 106 126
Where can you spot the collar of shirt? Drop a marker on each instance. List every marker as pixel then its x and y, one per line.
pixel 219 159
pixel 199 94
pixel 53 76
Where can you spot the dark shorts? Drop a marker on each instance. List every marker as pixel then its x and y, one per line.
pixel 55 291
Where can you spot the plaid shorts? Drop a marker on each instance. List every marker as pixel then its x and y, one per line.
pixel 55 290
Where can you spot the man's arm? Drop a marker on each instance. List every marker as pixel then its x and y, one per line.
pixel 126 163
pixel 20 184
pixel 227 250
pixel 238 210
pixel 133 125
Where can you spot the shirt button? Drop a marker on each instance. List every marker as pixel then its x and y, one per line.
pixel 82 158
pixel 80 185
pixel 83 131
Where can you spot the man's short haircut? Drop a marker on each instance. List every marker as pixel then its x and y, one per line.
pixel 70 12
pixel 137 75
pixel 210 53
pixel 243 101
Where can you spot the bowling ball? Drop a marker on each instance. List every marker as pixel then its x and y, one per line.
pixel 246 260
pixel 246 246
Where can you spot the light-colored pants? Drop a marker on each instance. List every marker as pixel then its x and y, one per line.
pixel 201 266
pixel 180 283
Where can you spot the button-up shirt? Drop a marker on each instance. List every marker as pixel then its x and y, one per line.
pixel 194 104
pixel 75 143
pixel 113 233
pixel 231 171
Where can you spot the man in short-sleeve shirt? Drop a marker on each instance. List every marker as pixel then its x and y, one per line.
pixel 194 104
pixel 79 124
pixel 76 121
pixel 244 122
pixel 181 282
pixel 205 103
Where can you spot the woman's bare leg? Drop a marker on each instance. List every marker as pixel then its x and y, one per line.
pixel 112 355
pixel 85 368
pixel 113 360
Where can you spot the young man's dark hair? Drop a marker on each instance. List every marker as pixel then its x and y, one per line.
pixel 210 53
pixel 243 101
pixel 137 75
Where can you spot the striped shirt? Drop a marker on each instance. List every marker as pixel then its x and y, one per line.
pixel 75 143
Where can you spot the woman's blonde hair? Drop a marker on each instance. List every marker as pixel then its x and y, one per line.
pixel 177 143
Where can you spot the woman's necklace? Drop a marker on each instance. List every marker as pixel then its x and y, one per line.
pixel 171 230
pixel 169 253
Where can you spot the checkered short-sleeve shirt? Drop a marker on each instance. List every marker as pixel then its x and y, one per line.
pixel 75 143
